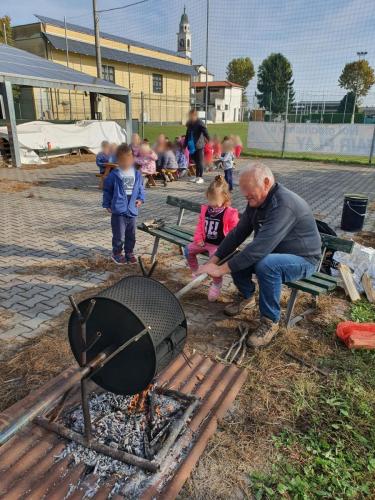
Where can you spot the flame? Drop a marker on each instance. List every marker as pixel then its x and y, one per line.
pixel 138 402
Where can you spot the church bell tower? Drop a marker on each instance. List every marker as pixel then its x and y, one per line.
pixel 184 36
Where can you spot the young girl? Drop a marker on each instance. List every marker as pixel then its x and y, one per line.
pixel 135 144
pixel 168 164
pixel 146 160
pixel 226 162
pixel 216 147
pixel 237 146
pixel 216 220
pixel 181 159
pixel 208 154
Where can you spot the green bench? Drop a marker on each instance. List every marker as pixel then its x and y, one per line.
pixel 173 233
pixel 317 284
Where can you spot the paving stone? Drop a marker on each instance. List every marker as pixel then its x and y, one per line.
pixel 34 323
pixel 15 332
pixel 33 300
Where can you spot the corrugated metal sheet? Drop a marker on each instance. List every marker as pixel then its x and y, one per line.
pixel 108 36
pixel 28 468
pixel 87 49
pixel 19 63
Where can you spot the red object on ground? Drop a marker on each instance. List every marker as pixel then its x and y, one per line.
pixel 208 153
pixel 357 335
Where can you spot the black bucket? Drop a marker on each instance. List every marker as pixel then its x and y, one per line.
pixel 353 212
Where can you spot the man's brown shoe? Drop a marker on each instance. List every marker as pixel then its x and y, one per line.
pixel 239 305
pixel 264 334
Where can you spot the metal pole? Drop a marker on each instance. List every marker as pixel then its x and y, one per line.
pixel 285 124
pixel 97 40
pixel 142 115
pixel 5 33
pixel 206 96
pixel 10 122
pixel 372 147
pixel 67 64
pixel 346 100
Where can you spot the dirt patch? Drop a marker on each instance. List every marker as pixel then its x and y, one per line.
pixel 366 238
pixel 62 160
pixel 9 186
pixel 71 267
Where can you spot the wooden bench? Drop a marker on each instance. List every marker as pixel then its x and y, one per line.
pixel 317 284
pixel 174 233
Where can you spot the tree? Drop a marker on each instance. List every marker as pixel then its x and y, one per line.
pixel 275 77
pixel 347 103
pixel 241 71
pixel 357 77
pixel 5 21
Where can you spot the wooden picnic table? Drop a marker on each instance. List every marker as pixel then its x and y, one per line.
pixel 108 169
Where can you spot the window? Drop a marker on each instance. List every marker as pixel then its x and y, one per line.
pixel 157 83
pixel 108 73
pixel 226 107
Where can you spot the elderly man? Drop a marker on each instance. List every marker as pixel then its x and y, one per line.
pixel 286 247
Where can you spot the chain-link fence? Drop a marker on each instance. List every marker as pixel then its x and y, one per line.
pixel 163 57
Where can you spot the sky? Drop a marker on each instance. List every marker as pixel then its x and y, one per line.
pixel 318 37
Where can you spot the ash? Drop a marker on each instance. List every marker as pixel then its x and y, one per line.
pixel 119 422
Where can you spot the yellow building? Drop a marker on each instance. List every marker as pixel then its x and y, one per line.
pixel 159 79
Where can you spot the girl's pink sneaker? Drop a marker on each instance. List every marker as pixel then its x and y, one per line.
pixel 214 292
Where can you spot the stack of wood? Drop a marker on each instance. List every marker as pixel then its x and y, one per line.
pixel 350 287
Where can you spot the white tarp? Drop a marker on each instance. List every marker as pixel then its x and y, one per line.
pixel 87 134
pixel 340 139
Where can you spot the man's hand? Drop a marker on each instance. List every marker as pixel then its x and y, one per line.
pixel 214 270
pixel 109 210
pixel 138 203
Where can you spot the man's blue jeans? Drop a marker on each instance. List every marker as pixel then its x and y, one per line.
pixel 272 271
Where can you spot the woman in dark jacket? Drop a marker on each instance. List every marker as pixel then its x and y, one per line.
pixel 195 138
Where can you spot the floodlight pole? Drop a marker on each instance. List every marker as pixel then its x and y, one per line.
pixel 360 54
pixel 206 96
pixel 98 54
pixel 5 33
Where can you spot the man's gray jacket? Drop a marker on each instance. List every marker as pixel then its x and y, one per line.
pixel 284 223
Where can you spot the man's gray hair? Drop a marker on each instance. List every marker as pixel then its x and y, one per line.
pixel 259 171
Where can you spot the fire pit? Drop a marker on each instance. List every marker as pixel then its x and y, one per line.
pixel 122 338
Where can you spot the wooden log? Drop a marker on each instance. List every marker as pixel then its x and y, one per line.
pixel 367 285
pixel 349 284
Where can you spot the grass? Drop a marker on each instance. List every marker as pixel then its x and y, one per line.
pixel 241 128
pixel 329 452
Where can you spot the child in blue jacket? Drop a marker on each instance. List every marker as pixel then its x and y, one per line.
pixel 123 194
pixel 103 156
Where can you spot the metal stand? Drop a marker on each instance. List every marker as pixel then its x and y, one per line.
pixel 89 369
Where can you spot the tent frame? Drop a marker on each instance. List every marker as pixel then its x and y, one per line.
pixel 7 81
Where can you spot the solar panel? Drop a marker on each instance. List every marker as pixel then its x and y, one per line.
pixel 119 55
pixel 108 36
pixel 24 65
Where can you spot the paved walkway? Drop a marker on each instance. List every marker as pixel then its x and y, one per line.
pixel 60 219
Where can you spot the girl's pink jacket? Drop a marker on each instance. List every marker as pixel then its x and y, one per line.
pixel 230 221
pixel 147 163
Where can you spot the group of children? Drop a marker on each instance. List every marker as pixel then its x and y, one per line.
pixel 171 160
pixel 124 193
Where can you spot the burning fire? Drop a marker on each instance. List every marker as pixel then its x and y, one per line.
pixel 138 402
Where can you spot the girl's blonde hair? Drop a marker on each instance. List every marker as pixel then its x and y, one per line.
pixel 219 186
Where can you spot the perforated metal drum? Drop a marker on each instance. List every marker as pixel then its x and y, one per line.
pixel 120 313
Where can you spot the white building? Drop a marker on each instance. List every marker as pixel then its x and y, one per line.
pixel 224 100
pixel 201 74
